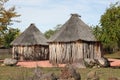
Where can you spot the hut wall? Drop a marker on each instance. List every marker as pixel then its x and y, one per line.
pixel 92 50
pixel 65 52
pixel 37 52
pixel 98 51
pixel 73 51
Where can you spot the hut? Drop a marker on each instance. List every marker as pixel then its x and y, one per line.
pixel 73 42
pixel 30 45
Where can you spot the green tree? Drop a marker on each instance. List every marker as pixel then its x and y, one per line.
pixel 6 19
pixel 50 32
pixel 10 36
pixel 97 30
pixel 109 30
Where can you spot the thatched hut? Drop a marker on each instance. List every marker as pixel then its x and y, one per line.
pixel 30 45
pixel 73 42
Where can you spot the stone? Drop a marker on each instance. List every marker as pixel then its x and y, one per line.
pixel 48 76
pixel 91 75
pixel 79 65
pixel 2 64
pixel 113 78
pixel 40 75
pixel 10 62
pixel 103 62
pixel 69 72
pixel 90 63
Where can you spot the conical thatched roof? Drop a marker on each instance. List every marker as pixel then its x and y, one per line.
pixel 31 36
pixel 74 29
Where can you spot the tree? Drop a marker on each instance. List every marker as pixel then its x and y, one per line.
pixel 97 31
pixel 6 16
pixel 10 36
pixel 109 30
pixel 6 19
pixel 50 32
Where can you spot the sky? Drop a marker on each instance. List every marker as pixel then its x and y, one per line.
pixel 47 14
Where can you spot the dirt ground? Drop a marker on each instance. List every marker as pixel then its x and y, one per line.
pixel 114 62
pixel 31 64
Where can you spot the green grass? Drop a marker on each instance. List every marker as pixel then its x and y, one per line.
pixel 104 73
pixel 113 55
pixel 5 55
pixel 14 73
pixel 19 73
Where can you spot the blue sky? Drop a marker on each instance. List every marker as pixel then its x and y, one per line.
pixel 46 14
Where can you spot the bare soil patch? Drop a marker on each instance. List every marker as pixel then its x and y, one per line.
pixel 31 64
pixel 114 62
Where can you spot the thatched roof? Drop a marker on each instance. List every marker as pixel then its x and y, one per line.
pixel 31 36
pixel 74 29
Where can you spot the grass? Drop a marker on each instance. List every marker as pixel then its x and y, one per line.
pixel 19 73
pixel 104 73
pixel 14 73
pixel 5 55
pixel 115 55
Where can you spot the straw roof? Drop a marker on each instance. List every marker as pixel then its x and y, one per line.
pixel 74 29
pixel 31 36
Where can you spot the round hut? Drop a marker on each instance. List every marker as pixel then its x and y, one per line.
pixel 30 45
pixel 74 42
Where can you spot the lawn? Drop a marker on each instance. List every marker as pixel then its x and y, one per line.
pixel 3 56
pixel 20 73
pixel 113 55
pixel 14 73
pixel 5 53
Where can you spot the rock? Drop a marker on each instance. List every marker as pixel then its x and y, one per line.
pixel 92 75
pixel 95 67
pixel 90 63
pixel 37 74
pixel 113 78
pixel 48 76
pixel 79 65
pixel 76 76
pixel 74 73
pixel 65 74
pixel 103 62
pixel 96 78
pixel 94 63
pixel 68 72
pixel 10 62
pixel 2 64
pixel 40 75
